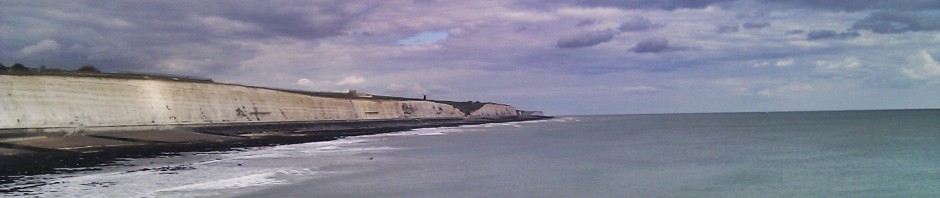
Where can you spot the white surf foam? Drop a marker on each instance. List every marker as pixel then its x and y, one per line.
pixel 326 148
pixel 261 156
pixel 211 173
pixel 206 173
pixel 417 132
pixel 259 179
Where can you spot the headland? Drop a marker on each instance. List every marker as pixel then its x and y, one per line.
pixel 57 120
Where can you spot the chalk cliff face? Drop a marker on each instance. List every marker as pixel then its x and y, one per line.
pixel 494 111
pixel 64 103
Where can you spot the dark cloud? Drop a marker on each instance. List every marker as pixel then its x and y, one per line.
pixel 301 20
pixel 792 32
pixel 887 22
pixel 829 34
pixel 726 28
pixel 638 24
pixel 294 24
pixel 200 38
pixel 863 4
pixel 653 45
pixel 820 4
pixel 755 24
pixel 585 39
pixel 648 4
pixel 586 22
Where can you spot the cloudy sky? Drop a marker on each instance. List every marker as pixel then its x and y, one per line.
pixel 560 56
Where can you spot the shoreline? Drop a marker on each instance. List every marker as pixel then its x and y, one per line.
pixel 34 160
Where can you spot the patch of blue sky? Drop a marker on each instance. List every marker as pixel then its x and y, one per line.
pixel 424 38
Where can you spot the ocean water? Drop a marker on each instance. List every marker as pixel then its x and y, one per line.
pixel 794 154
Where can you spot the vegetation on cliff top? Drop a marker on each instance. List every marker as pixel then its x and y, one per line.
pixel 20 68
pixel 91 71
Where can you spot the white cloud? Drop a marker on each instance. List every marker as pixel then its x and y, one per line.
pixel 779 63
pixel 737 87
pixel 414 49
pixel 304 82
pixel 455 32
pixel 785 90
pixel 845 64
pixel 761 64
pixel 763 87
pixel 527 16
pixel 784 63
pixel 324 84
pixel 640 89
pixel 596 12
pixel 406 89
pixel 928 68
pixel 42 46
pixel 180 65
pixel 351 80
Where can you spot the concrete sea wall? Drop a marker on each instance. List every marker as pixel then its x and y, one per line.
pixel 67 103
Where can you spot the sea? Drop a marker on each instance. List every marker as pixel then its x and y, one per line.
pixel 889 153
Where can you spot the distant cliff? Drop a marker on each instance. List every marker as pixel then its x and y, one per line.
pixel 52 120
pixel 99 102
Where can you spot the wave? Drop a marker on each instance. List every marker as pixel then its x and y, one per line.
pixel 260 179
pixel 227 172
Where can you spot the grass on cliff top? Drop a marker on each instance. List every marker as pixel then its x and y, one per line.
pixel 107 75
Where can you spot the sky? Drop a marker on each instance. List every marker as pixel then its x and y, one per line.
pixel 559 56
